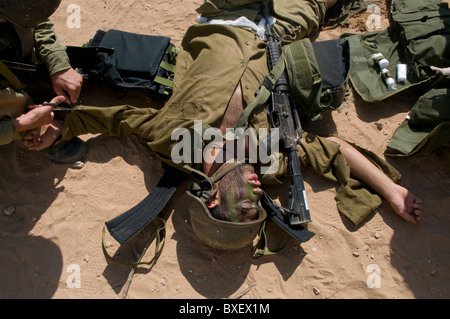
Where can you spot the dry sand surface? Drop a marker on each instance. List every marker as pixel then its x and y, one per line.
pixel 54 236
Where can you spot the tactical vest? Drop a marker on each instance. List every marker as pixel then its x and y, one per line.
pixel 417 38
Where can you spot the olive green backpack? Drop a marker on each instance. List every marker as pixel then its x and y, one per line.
pixel 314 85
pixel 318 74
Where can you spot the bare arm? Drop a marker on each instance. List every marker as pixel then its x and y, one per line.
pixel 402 201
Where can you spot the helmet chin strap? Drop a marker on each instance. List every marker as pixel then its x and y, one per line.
pixel 207 185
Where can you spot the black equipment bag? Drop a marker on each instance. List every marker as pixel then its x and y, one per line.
pixel 126 60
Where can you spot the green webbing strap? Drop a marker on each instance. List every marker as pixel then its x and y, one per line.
pixel 160 240
pixel 260 248
pixel 220 172
pixel 206 177
pixel 204 194
pixel 360 71
pixel 175 50
pixel 224 170
pixel 10 77
pixel 263 94
pixel 299 58
pixel 170 67
pixel 163 81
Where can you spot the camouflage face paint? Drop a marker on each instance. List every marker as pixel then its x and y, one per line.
pixel 232 205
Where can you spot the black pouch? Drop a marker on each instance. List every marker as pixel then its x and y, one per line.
pixel 126 60
pixel 333 59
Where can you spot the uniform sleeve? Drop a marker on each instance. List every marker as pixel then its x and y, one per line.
pixel 297 19
pixel 7 132
pixel 12 105
pixel 50 49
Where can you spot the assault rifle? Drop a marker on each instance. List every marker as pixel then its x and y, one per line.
pixel 19 66
pixel 284 116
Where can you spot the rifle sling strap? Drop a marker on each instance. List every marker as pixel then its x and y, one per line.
pixel 263 94
pixel 10 77
pixel 276 214
pixel 160 240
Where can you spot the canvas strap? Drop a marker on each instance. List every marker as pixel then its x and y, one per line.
pixel 260 248
pixel 127 225
pixel 207 184
pixel 263 93
pixel 10 77
pixel 359 62
pixel 170 67
pixel 160 240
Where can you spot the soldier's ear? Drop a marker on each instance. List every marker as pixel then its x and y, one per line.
pixel 213 200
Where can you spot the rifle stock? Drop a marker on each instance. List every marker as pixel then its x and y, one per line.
pixel 284 116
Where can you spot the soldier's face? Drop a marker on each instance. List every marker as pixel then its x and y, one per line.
pixel 242 194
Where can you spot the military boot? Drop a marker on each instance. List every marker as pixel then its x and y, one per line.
pixel 67 151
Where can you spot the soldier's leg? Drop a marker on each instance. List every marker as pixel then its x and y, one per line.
pixel 114 121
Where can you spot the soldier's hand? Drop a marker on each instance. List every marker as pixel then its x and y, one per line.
pixel 68 83
pixel 445 71
pixel 44 137
pixel 37 116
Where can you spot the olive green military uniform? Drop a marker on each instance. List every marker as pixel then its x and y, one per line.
pixel 213 60
pixel 26 45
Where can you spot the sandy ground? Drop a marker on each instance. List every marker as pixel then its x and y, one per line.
pixel 50 247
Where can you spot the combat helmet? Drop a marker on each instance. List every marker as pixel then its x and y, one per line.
pixel 27 13
pixel 216 233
